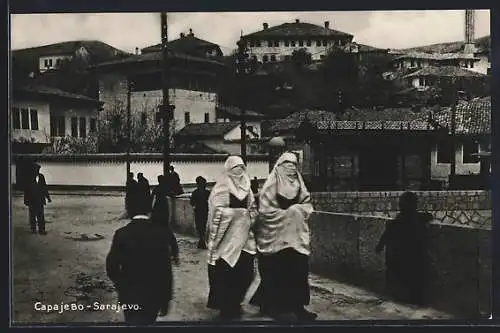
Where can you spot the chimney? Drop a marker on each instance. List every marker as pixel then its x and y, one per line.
pixel 297 21
pixel 136 51
pixel 191 32
pixel 327 24
pixel 265 25
pixel 182 35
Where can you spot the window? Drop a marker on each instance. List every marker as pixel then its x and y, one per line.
pixel 276 43
pixel 16 118
pixel 273 57
pixel 93 125
pixel 472 64
pixel 74 127
pixel 144 119
pixel 187 118
pixel 25 119
pixel 421 82
pixel 322 56
pixel 61 126
pixel 207 117
pixel 58 63
pixel 309 42
pixel 83 127
pixel 57 126
pixel 292 43
pixel 288 57
pixel 287 43
pixel 419 64
pixel 318 42
pixel 325 42
pixel 252 43
pixel 301 43
pixel 265 58
pixel 254 58
pixel 257 43
pixel 34 119
pixel 412 63
pixel 470 147
pixel 269 43
pixel 444 152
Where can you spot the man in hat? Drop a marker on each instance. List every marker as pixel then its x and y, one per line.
pixel 35 194
pixel 199 200
pixel 140 265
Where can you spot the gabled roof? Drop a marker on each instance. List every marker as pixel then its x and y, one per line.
pixel 472 118
pixel 99 51
pixel 41 90
pixel 188 44
pixel 436 56
pixel 207 130
pixel 368 48
pixel 445 71
pixel 297 29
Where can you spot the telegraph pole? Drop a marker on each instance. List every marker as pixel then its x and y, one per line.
pixel 165 109
pixel 242 70
pixel 453 162
pixel 129 127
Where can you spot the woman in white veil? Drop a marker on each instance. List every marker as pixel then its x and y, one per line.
pixel 230 240
pixel 282 237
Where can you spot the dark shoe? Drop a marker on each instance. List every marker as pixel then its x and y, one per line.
pixel 42 232
pixel 304 315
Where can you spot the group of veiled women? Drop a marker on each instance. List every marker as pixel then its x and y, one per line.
pixel 275 232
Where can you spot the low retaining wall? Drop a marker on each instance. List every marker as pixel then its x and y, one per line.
pixel 343 248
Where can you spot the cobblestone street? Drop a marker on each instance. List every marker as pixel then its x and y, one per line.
pixel 67 266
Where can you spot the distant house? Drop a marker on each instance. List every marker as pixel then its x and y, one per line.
pixel 418 60
pixel 428 76
pixel 44 58
pixel 278 43
pixel 223 136
pixel 193 87
pixel 41 114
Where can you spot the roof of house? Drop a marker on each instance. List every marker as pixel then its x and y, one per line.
pixel 472 118
pixel 296 29
pixel 187 44
pixel 207 129
pixel 368 48
pixel 195 148
pixel 232 111
pixel 435 56
pixel 441 71
pixel 49 91
pixel 99 51
pixel 354 118
pixel 483 44
pixel 157 56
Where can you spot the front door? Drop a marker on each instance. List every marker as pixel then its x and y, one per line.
pixel 378 170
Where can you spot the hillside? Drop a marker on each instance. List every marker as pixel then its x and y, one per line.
pixel 483 43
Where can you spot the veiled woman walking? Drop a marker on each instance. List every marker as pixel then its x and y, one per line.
pixel 230 240
pixel 282 236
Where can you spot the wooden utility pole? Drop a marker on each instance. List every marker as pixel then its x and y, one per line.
pixel 165 107
pixel 129 125
pixel 242 70
pixel 453 162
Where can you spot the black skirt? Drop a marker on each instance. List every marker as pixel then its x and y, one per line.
pixel 228 285
pixel 284 285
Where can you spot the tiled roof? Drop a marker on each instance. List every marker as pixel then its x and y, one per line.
pixel 435 56
pixel 195 148
pixel 99 51
pixel 157 56
pixel 297 29
pixel 207 129
pixel 441 71
pixel 49 91
pixel 414 125
pixel 473 117
pixel 188 44
pixel 232 111
pixel 294 120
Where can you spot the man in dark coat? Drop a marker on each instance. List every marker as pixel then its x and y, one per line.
pixel 35 194
pixel 199 200
pixel 144 193
pixel 131 195
pixel 173 182
pixel 139 264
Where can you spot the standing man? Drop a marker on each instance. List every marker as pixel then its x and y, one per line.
pixel 199 200
pixel 131 195
pixel 173 182
pixel 35 193
pixel 144 193
pixel 139 264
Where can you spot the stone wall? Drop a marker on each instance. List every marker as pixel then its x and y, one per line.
pixel 343 248
pixel 463 208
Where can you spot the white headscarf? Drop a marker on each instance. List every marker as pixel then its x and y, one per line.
pixel 288 179
pixel 238 180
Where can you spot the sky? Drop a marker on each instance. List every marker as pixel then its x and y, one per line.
pixel 126 31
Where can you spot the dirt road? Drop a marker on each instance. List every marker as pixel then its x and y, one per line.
pixel 67 267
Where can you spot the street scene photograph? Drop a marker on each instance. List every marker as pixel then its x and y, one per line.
pixel 250 167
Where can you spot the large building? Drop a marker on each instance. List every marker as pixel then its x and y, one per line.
pixel 278 43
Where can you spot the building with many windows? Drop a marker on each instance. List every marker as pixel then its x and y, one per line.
pixel 278 43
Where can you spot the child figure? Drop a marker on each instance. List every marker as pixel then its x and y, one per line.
pixel 199 200
pixel 405 241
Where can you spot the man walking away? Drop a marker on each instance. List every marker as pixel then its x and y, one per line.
pixel 131 195
pixel 144 199
pixel 35 193
pixel 199 200
pixel 139 264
